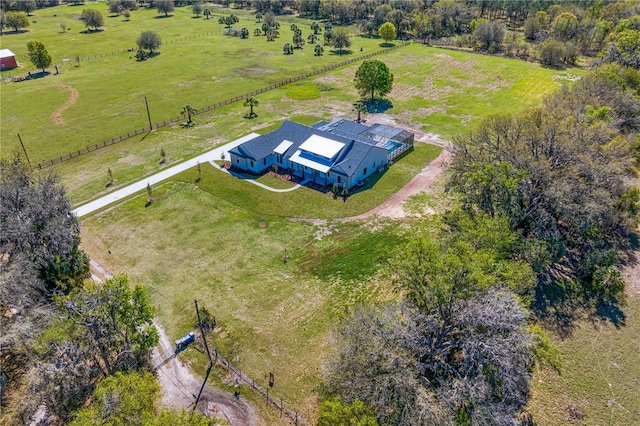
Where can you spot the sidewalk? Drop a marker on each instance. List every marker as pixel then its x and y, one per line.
pixel 127 191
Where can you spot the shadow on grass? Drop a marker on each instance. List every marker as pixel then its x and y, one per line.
pixel 377 105
pixel 560 303
pixel 386 44
pixel 6 33
pixel 341 52
pixel 88 31
pixel 162 16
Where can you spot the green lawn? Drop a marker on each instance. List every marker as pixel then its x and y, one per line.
pixel 600 375
pixel 197 65
pixel 275 315
pixel 447 111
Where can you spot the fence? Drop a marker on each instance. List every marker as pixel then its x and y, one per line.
pixel 291 414
pixel 181 117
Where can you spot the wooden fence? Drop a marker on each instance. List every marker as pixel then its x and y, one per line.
pixel 181 117
pixel 286 413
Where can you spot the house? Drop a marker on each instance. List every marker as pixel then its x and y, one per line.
pixel 342 151
pixel 7 59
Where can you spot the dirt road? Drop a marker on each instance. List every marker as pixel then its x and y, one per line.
pixel 180 388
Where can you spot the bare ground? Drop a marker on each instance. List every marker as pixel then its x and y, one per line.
pixel 57 115
pixel 180 387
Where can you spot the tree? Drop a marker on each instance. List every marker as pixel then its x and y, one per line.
pixel 165 6
pixel 373 77
pixel 335 412
pixel 92 18
pixel 251 102
pixel 244 32
pixel 387 32
pixel 360 107
pixel 287 49
pixel 16 20
pixel 197 8
pixel 318 50
pixel 188 109
pixel 489 34
pixel 415 367
pixel 564 27
pixel 114 323
pixel 38 55
pixel 341 39
pixel 549 182
pixel 552 52
pixel 149 40
pixel 207 13
pixel 129 398
pixel 230 20
pixel 28 6
pixel 624 49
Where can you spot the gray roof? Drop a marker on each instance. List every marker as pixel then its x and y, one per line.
pixel 356 149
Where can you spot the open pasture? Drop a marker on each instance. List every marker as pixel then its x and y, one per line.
pixel 275 315
pixel 197 65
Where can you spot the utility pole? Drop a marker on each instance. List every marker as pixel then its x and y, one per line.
pixel 204 338
pixel 146 103
pixel 25 151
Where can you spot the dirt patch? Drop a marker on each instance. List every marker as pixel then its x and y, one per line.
pixel 73 97
pixel 179 387
pixel 631 275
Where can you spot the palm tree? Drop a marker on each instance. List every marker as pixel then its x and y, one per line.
pixel 360 107
pixel 188 109
pixel 251 102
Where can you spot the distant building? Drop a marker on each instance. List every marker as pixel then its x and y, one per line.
pixel 342 151
pixel 7 60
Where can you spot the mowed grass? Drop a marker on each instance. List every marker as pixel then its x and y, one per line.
pixel 197 65
pixel 600 375
pixel 448 108
pixel 308 203
pixel 275 316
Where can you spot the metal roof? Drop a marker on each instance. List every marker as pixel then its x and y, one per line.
pixel 298 158
pixel 283 147
pixel 322 146
pixel 6 53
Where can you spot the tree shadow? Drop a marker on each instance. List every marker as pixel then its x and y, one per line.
pixel 162 16
pixel 94 31
pixel 14 32
pixel 341 52
pixel 386 44
pixel 377 105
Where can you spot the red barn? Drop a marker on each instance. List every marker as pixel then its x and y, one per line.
pixel 7 60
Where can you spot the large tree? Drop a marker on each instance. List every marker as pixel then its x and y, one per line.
pixel 38 55
pixel 341 39
pixel 165 6
pixel 373 77
pixel 16 20
pixel 92 18
pixel 114 323
pixel 387 32
pixel 416 367
pixel 560 174
pixel 149 40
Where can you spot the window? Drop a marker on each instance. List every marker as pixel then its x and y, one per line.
pixel 364 172
pixel 338 179
pixel 252 164
pixel 238 160
pixel 264 161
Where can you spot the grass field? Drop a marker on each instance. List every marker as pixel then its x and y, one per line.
pixel 197 65
pixel 600 376
pixel 275 315
pixel 452 108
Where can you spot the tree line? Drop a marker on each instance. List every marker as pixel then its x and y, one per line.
pixel 543 216
pixel 65 339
